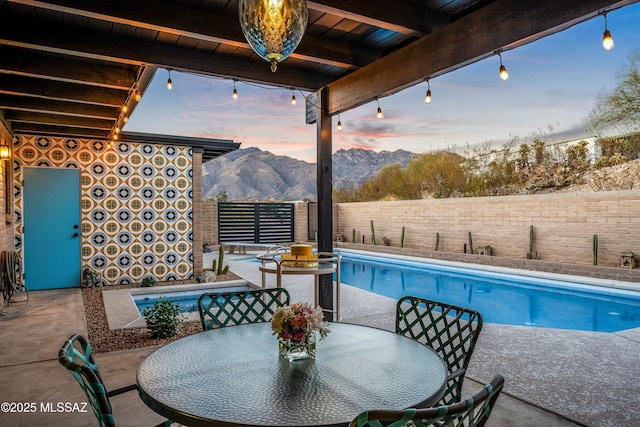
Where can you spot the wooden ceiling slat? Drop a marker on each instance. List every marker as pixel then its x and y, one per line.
pixel 31 63
pixel 399 16
pixel 17 103
pixel 61 91
pixel 56 120
pixel 67 131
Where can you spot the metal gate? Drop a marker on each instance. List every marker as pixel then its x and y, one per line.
pixel 255 222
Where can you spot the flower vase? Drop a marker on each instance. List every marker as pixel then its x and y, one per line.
pixel 298 350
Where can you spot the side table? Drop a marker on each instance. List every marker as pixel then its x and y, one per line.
pixel 327 263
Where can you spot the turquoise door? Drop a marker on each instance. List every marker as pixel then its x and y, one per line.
pixel 51 228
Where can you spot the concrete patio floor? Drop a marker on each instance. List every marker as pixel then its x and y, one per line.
pixel 553 377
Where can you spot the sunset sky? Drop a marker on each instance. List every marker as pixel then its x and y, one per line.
pixel 553 84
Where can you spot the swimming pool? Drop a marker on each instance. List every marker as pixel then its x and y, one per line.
pixel 186 300
pixel 500 297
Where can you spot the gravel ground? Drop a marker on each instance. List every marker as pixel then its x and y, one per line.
pixel 104 340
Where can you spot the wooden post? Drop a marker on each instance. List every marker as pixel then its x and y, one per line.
pixel 325 187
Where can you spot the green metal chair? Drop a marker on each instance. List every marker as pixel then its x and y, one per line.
pixel 76 355
pixel 451 331
pixel 471 412
pixel 220 309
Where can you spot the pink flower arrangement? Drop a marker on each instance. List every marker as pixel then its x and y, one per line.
pixel 296 321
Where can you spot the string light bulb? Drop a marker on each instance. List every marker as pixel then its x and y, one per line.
pixel 379 110
pixel 124 108
pixel 339 124
pixel 137 96
pixel 293 97
pixel 169 82
pixel 125 118
pixel 427 97
pixel 607 40
pixel 503 70
pixel 235 91
pixel 117 129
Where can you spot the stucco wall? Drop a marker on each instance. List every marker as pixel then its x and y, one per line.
pixel 564 224
pixel 136 204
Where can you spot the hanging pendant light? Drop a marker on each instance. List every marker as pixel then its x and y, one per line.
pixel 503 70
pixel 427 97
pixel 339 124
pixel 273 28
pixel 607 40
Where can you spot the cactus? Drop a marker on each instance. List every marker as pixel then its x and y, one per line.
pixel 220 269
pixel 595 249
pixel 353 235
pixel 402 238
pixel 373 234
pixel 437 241
pixel 470 244
pixel 531 254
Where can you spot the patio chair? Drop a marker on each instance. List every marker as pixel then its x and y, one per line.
pixel 76 355
pixel 220 309
pixel 451 331
pixel 471 412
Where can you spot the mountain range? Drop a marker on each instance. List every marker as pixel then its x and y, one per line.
pixel 253 174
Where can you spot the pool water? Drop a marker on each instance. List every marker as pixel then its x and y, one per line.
pixel 186 300
pixel 501 298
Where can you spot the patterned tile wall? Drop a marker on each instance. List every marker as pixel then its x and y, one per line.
pixel 136 204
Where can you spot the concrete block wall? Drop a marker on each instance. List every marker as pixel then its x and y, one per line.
pixel 209 223
pixel 300 225
pixel 564 224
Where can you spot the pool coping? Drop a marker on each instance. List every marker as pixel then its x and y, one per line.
pixel 121 310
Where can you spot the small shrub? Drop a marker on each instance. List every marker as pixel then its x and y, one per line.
pixel 163 318
pixel 148 282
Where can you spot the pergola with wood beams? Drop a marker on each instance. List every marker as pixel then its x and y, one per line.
pixel 68 66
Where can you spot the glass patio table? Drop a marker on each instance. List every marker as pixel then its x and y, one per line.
pixel 234 376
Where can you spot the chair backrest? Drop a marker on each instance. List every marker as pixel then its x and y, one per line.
pixel 451 331
pixel 76 355
pixel 471 412
pixel 220 309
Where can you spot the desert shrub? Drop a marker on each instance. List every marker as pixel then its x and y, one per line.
pixel 163 318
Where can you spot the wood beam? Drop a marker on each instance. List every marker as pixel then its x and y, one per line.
pixel 127 50
pixel 16 103
pixel 27 62
pixel 198 24
pixel 61 91
pixel 58 120
pixel 460 43
pixel 35 129
pixel 325 202
pixel 400 16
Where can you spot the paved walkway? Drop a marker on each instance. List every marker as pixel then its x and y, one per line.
pixel 590 378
